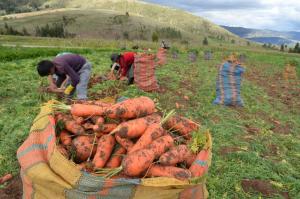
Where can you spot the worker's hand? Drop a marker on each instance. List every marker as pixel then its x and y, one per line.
pixel 68 90
pixel 123 78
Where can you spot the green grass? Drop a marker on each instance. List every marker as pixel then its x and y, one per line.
pixel 20 102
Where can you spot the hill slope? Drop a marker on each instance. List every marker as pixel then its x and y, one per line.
pixel 266 36
pixel 107 19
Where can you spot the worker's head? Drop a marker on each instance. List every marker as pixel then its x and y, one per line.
pixel 45 68
pixel 232 58
pixel 115 57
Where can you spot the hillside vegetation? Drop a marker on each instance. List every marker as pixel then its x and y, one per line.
pixel 108 19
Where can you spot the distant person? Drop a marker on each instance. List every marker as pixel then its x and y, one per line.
pixel 123 63
pixel 164 45
pixel 71 70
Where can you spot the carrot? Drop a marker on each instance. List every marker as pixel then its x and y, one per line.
pixel 124 142
pixel 116 159
pixel 99 134
pixel 63 151
pixel 105 128
pixel 175 155
pixel 136 163
pixel 200 165
pixel 131 108
pixel 70 124
pixel 181 124
pixel 105 146
pixel 136 127
pixel 65 138
pixel 169 171
pixel 161 144
pixel 190 159
pixel 78 120
pixel 83 146
pixel 97 120
pixel 85 110
pixel 88 126
pixel 152 132
pixel 85 166
pixel 6 178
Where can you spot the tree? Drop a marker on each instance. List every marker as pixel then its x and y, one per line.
pixel 155 37
pixel 297 48
pixel 233 41
pixel 282 47
pixel 126 35
pixel 205 41
pixel 25 32
pixel 248 43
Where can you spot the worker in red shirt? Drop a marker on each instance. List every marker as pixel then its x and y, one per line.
pixel 123 63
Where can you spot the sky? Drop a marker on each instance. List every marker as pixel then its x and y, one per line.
pixel 282 15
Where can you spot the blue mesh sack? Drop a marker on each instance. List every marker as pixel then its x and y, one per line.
pixel 228 85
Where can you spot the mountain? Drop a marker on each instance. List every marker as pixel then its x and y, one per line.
pixel 119 19
pixel 266 36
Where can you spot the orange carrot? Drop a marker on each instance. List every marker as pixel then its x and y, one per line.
pixel 99 134
pixel 83 146
pixel 169 171
pixel 97 120
pixel 88 126
pixel 5 178
pixel 85 110
pixel 200 165
pixel 161 144
pixel 124 142
pixel 181 124
pixel 78 120
pixel 116 159
pixel 137 162
pixel 175 155
pixel 136 127
pixel 65 138
pixel 105 128
pixel 70 124
pixel 105 146
pixel 131 108
pixel 152 132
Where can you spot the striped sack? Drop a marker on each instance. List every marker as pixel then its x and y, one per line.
pixel 47 174
pixel 144 72
pixel 161 56
pixel 229 85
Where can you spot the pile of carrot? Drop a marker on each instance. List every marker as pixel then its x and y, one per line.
pixel 130 138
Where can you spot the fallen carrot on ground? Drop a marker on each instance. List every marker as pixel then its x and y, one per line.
pixel 6 178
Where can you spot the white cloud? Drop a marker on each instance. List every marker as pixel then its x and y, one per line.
pixel 262 14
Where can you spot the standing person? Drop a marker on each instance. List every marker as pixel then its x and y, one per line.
pixel 125 61
pixel 73 69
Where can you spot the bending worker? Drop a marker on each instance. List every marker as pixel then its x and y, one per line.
pixel 123 63
pixel 72 69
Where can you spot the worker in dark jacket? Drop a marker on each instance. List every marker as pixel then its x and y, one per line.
pixel 72 69
pixel 125 63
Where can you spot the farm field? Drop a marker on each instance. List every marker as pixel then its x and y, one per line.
pixel 259 141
